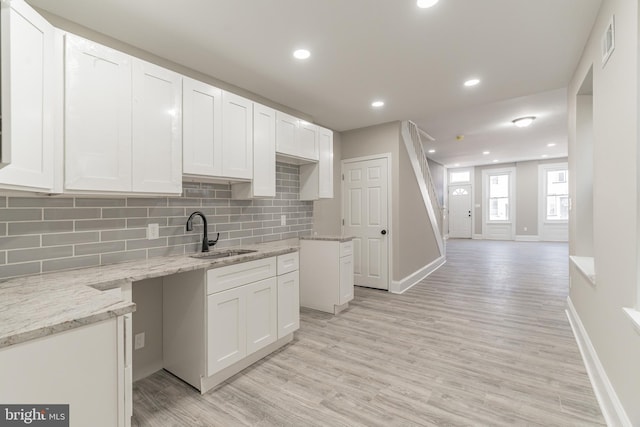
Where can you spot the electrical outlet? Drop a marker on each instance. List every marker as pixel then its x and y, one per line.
pixel 139 341
pixel 153 231
pixel 283 220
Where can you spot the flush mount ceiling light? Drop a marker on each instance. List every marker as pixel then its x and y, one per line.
pixel 432 151
pixel 301 54
pixel 523 122
pixel 471 82
pixel 425 4
pixel 377 104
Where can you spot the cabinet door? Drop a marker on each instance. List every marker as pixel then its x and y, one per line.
pixel 288 303
pixel 346 279
pixel 97 113
pixel 264 151
pixel 307 140
pixel 226 329
pixel 202 132
pixel 262 314
pixel 157 129
pixel 286 126
pixel 237 136
pixel 325 163
pixel 28 97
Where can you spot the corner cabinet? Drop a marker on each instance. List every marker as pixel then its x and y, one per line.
pixel 218 322
pixel 31 56
pixel 123 122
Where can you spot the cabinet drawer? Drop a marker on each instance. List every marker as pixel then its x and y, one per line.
pixel 288 263
pixel 231 276
pixel 346 248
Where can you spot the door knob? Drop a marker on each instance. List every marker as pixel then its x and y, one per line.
pixel 383 232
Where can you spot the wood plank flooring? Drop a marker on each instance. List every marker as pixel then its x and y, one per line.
pixel 483 341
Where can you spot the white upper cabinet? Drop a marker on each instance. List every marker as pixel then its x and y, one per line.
pixel 123 122
pixel 296 138
pixel 157 129
pixel 202 133
pixel 237 136
pixel 98 112
pixel 325 163
pixel 29 54
pixel 264 157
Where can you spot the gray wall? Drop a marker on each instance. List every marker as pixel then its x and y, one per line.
pixel 615 201
pixel 42 234
pixel 526 194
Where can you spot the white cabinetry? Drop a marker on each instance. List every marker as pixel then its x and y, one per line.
pixel 218 322
pixel 237 136
pixel 296 138
pixel 30 54
pixel 202 132
pixel 157 129
pixel 82 367
pixel 326 274
pixel 123 129
pixel 264 157
pixel 316 179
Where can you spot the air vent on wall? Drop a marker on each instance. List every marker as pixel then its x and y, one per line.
pixel 608 41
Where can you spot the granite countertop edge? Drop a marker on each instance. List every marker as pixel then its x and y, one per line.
pixel 37 306
pixel 340 239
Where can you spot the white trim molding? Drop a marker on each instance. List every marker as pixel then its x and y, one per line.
pixel 634 316
pixel 401 286
pixel 612 410
pixel 527 238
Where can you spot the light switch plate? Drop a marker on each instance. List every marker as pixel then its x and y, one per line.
pixel 138 341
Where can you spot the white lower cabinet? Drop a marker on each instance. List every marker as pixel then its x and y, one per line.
pixel 326 274
pixel 82 367
pixel 218 322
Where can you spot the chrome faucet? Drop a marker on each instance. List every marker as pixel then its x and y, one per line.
pixel 205 238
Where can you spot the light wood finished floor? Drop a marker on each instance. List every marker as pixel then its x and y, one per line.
pixel 484 341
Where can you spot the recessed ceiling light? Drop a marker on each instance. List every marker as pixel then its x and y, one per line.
pixel 523 122
pixel 495 161
pixel 544 156
pixel 551 144
pixel 301 54
pixel 377 104
pixel 486 152
pixel 457 164
pixel 471 82
pixel 432 151
pixel 424 4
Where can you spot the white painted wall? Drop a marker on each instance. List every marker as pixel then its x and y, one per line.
pixel 615 211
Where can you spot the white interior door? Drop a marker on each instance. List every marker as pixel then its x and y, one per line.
pixel 365 213
pixel 460 211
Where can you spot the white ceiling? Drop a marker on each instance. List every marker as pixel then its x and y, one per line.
pixel 414 59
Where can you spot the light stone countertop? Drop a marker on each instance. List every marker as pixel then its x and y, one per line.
pixel 40 305
pixel 340 239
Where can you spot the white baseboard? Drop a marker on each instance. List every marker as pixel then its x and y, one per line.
pixel 612 410
pixel 401 286
pixel 477 237
pixel 527 238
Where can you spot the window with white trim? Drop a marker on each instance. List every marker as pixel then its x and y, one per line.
pixel 499 197
pixel 557 195
pixel 459 176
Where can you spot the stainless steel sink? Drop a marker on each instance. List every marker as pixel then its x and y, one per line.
pixel 222 253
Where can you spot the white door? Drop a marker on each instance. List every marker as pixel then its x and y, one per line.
pixel 365 213
pixel 226 329
pixel 97 110
pixel 202 133
pixel 28 98
pixel 288 303
pixel 157 129
pixel 460 211
pixel 237 136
